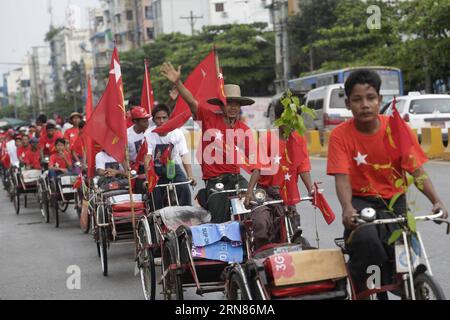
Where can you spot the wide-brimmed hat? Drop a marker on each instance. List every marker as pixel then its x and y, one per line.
pixel 139 113
pixel 76 114
pixel 233 94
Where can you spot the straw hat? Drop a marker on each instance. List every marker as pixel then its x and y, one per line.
pixel 233 94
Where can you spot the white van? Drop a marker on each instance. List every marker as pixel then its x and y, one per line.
pixel 329 104
pixel 424 111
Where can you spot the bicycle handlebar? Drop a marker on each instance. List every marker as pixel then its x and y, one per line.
pixel 173 184
pixel 402 219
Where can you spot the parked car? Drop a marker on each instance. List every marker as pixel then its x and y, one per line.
pixel 423 111
pixel 329 104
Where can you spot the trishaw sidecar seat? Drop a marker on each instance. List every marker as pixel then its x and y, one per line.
pixel 174 217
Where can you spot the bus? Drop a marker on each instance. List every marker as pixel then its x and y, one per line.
pixel 391 80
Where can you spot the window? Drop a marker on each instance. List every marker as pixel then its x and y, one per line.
pixel 129 15
pixel 149 12
pixel 337 99
pixel 220 7
pixel 319 104
pixel 150 33
pixel 117 18
pixel 118 39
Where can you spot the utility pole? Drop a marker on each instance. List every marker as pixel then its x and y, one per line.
pixel 192 19
pixel 137 33
pixel 279 12
pixel 285 47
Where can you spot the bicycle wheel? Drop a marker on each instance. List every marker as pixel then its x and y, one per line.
pixel 85 219
pixel 104 251
pixel 63 206
pixel 426 288
pixel 55 208
pixel 172 285
pixel 236 288
pixel 146 265
pixel 17 201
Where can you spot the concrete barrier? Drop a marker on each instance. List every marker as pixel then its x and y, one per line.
pixel 326 140
pixel 446 153
pixel 192 139
pixel 314 146
pixel 416 134
pixel 432 142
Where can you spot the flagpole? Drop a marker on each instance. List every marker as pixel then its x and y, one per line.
pixel 146 85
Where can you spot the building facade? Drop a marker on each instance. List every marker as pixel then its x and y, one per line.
pixel 42 87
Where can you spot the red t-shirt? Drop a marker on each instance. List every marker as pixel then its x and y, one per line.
pixel 300 143
pixel 71 135
pixel 366 160
pixel 57 161
pixel 33 159
pixel 22 151
pixel 47 144
pixel 214 127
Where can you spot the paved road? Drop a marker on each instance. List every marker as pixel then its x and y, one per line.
pixel 35 256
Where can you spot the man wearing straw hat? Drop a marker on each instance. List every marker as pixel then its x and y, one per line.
pixel 215 125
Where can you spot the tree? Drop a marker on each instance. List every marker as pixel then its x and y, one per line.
pixel 304 31
pixel 244 60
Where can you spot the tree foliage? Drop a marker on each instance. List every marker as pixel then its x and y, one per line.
pixel 414 36
pixel 244 60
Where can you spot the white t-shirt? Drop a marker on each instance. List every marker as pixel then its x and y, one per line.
pixel 105 161
pixel 157 144
pixel 135 141
pixel 12 151
pixel 66 127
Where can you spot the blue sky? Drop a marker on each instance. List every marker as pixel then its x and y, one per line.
pixel 24 23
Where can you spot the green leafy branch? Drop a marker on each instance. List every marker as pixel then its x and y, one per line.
pixel 292 117
pixel 410 219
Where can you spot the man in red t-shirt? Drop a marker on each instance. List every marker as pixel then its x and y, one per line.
pixel 71 135
pixel 366 174
pixel 215 126
pixel 32 158
pixel 266 219
pixel 47 141
pixel 23 149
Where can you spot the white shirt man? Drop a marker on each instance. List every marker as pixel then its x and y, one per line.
pixel 157 144
pixel 12 152
pixel 104 161
pixel 135 141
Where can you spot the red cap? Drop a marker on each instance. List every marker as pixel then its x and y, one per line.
pixel 139 113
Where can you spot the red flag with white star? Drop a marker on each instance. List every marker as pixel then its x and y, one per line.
pixel 147 97
pixel 107 125
pixel 203 84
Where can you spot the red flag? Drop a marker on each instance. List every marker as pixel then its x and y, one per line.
pixel 140 156
pixel 173 123
pixel 78 182
pixel 321 203
pixel 152 177
pixel 397 140
pixel 147 97
pixel 203 84
pixel 107 125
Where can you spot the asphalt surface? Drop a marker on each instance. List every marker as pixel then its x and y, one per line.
pixel 35 256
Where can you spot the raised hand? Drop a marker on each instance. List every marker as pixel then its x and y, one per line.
pixel 172 74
